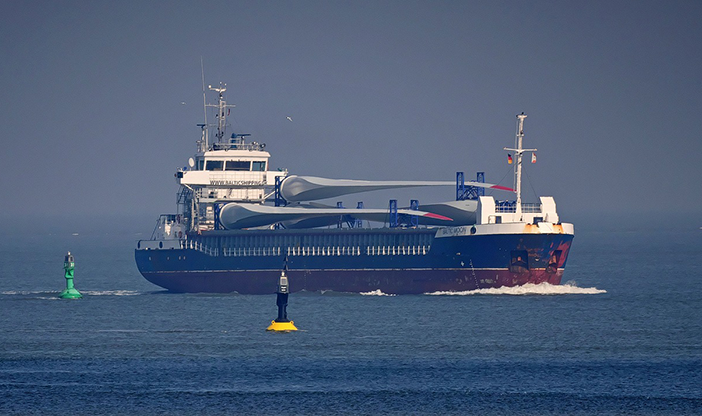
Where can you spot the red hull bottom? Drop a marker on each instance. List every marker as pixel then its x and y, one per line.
pixel 354 281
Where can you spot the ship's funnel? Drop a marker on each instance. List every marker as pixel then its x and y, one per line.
pixel 236 216
pixel 310 188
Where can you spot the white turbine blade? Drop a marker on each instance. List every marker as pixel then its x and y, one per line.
pixel 236 216
pixel 309 188
pixel 489 186
pixel 462 212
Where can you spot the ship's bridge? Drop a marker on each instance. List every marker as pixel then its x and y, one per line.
pixel 229 164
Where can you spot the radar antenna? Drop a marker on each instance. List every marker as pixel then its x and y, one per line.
pixel 222 110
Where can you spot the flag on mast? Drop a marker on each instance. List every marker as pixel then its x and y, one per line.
pixel 509 158
pixel 533 158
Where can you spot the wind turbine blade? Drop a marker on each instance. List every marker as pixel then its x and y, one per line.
pixel 237 216
pixel 310 188
pixel 462 212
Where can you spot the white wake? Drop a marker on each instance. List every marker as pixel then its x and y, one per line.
pixel 83 292
pixel 376 292
pixel 569 288
pixel 110 292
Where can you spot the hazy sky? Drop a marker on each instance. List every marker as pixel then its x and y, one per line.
pixel 92 121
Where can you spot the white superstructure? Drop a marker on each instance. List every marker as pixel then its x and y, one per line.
pixel 226 169
pixel 543 213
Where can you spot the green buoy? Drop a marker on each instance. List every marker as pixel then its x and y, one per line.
pixel 70 292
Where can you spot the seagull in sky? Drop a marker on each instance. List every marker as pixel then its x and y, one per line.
pixel 289 118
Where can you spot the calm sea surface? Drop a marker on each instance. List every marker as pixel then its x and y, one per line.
pixel 624 337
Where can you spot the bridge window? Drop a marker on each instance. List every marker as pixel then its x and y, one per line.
pixel 215 165
pixel 259 166
pixel 238 165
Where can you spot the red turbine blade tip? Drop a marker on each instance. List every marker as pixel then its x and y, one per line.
pixel 437 216
pixel 502 188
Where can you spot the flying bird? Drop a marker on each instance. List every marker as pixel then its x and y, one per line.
pixel 182 103
pixel 289 118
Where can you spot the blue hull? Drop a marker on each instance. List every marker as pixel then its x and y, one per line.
pixel 215 263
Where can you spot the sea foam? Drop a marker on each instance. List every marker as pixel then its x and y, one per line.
pixel 110 292
pixel 84 292
pixel 376 292
pixel 569 288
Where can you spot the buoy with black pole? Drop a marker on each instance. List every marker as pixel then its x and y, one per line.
pixel 282 323
pixel 68 266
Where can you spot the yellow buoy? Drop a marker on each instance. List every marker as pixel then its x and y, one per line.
pixel 282 326
pixel 282 323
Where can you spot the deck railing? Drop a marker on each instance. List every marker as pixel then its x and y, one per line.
pixel 415 250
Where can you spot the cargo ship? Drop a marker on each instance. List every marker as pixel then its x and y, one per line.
pixel 239 223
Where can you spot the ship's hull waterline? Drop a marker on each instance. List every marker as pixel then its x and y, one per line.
pixel 401 282
pixel 457 263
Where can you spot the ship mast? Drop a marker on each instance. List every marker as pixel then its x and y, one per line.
pixel 518 151
pixel 204 143
pixel 222 109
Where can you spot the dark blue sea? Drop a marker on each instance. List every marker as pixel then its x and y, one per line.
pixel 623 336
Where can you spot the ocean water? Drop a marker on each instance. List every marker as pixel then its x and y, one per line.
pixel 623 336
